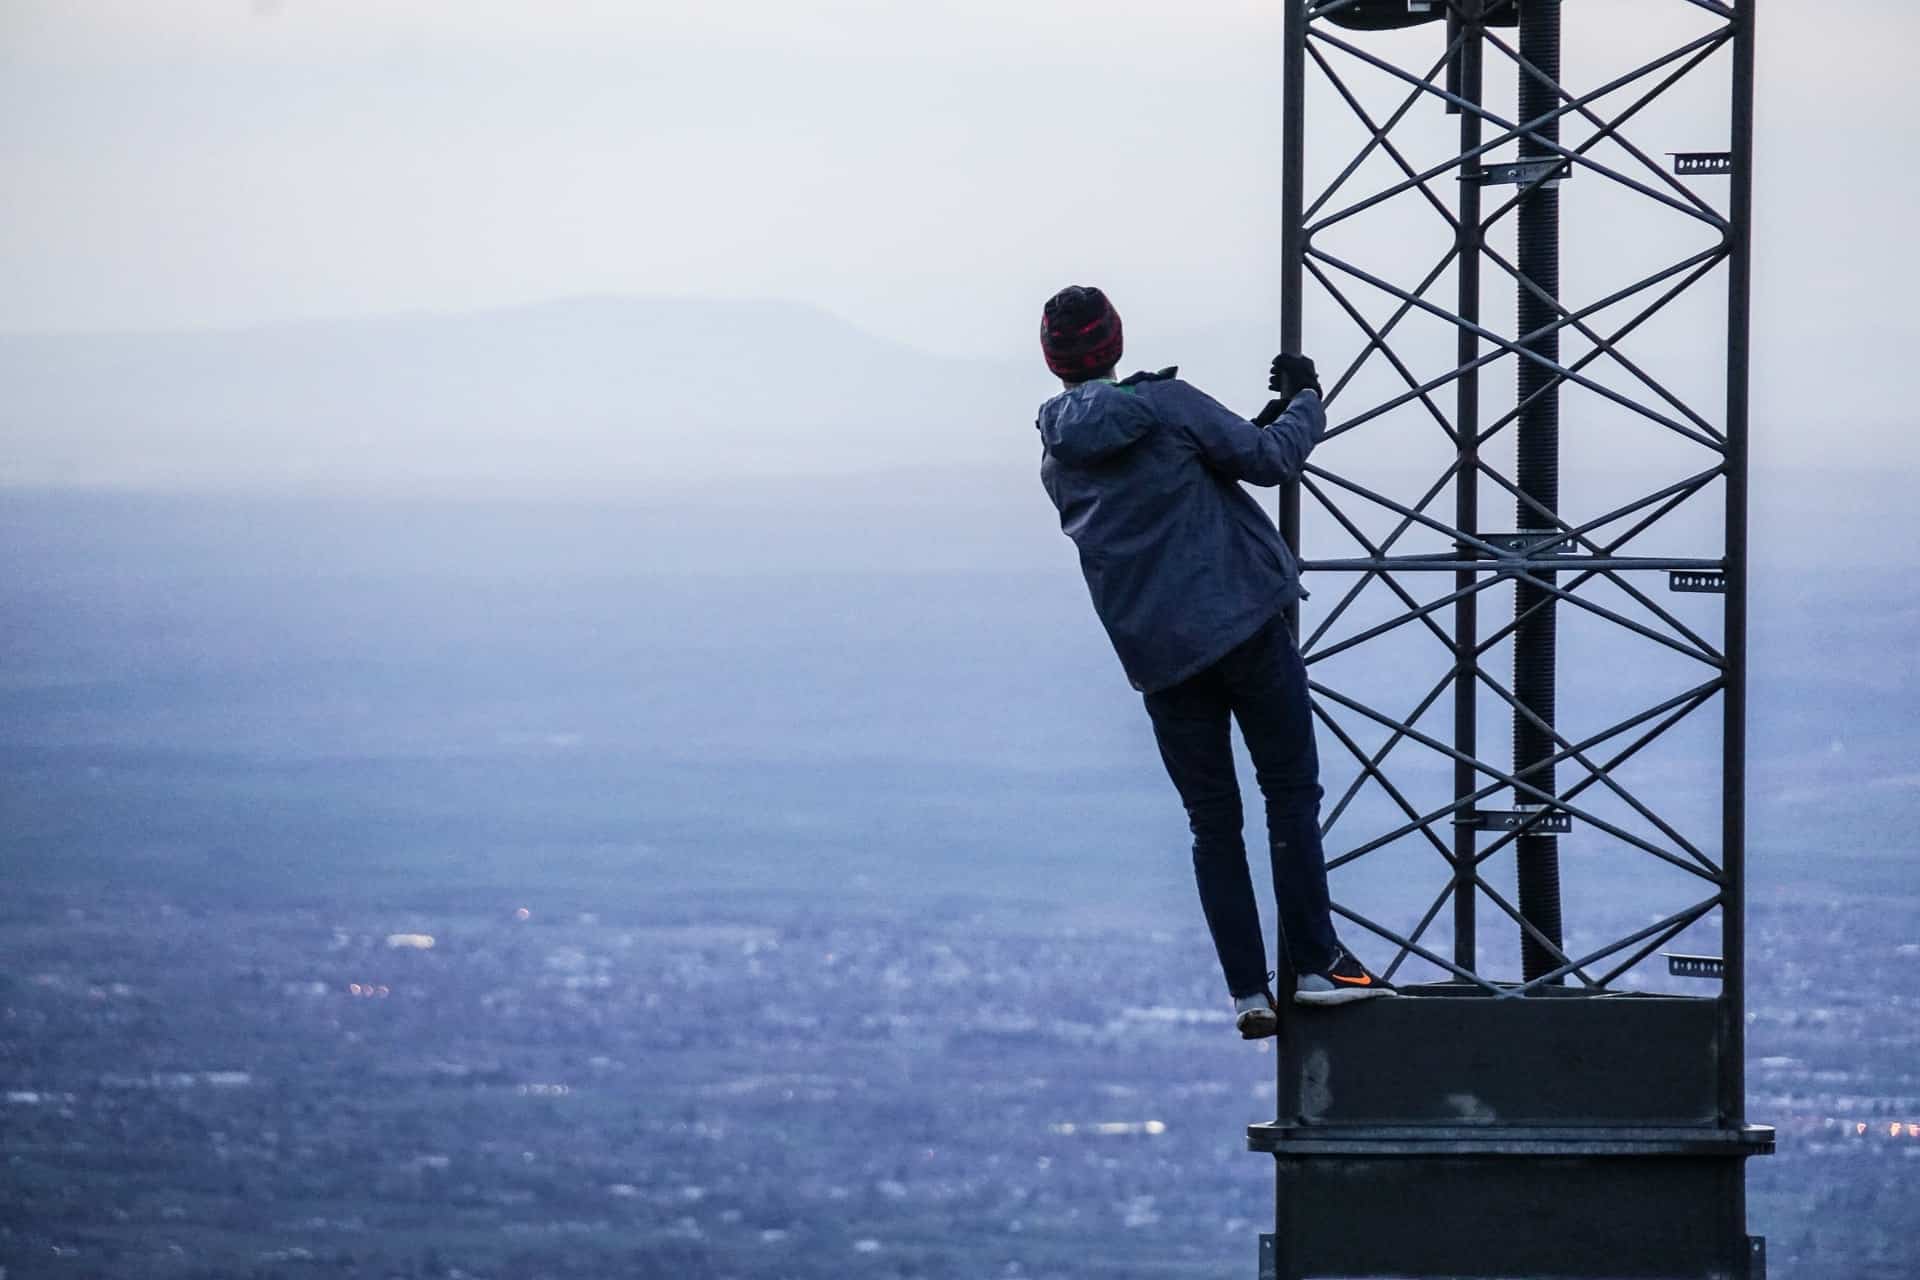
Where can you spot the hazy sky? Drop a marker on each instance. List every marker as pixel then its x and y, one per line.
pixel 930 170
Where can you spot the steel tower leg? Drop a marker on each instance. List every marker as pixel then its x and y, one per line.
pixel 1467 74
pixel 1538 477
pixel 1733 914
pixel 1292 201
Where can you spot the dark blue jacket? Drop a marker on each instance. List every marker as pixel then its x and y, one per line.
pixel 1182 562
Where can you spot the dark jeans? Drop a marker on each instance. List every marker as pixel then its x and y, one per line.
pixel 1262 684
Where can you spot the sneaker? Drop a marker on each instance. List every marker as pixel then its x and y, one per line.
pixel 1254 1016
pixel 1343 983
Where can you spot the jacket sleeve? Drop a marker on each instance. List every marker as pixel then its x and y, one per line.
pixel 1235 447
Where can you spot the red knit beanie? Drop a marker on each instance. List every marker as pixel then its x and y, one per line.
pixel 1080 333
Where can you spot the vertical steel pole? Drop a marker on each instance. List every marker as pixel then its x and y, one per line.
pixel 1293 72
pixel 1733 856
pixel 1538 477
pixel 1467 75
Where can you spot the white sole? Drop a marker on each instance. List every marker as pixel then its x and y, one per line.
pixel 1340 995
pixel 1259 1026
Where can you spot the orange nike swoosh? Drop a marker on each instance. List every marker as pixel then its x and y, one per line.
pixel 1352 982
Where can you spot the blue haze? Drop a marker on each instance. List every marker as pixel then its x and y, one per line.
pixel 759 697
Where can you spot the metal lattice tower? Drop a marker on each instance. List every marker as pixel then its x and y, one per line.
pixel 1522 315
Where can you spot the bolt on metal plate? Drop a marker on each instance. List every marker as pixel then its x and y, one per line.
pixel 1551 169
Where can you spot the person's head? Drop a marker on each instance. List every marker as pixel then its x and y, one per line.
pixel 1080 334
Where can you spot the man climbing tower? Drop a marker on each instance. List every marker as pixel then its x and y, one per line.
pixel 1192 581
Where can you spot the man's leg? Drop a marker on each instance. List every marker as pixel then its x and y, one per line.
pixel 1267 684
pixel 1192 724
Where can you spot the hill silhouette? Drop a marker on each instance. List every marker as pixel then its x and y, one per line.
pixel 587 396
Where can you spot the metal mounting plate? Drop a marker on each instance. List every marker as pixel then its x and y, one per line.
pixel 1520 541
pixel 1704 581
pixel 1522 173
pixel 1534 821
pixel 1683 966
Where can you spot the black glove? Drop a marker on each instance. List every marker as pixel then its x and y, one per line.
pixel 1291 375
pixel 1271 414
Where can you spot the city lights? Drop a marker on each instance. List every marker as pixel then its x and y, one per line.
pixel 1110 1128
pixel 1896 1130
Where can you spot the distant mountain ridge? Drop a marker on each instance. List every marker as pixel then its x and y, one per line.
pixel 595 395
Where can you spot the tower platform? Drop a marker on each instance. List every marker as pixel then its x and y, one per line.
pixel 1414 1135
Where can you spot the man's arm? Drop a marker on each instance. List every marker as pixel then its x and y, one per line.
pixel 1236 447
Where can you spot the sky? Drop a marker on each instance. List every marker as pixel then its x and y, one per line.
pixel 929 171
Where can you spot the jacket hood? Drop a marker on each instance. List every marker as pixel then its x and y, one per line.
pixel 1094 420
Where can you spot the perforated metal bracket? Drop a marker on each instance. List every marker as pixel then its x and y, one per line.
pixel 1711 581
pixel 1551 169
pixel 1683 966
pixel 1539 822
pixel 1688 163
